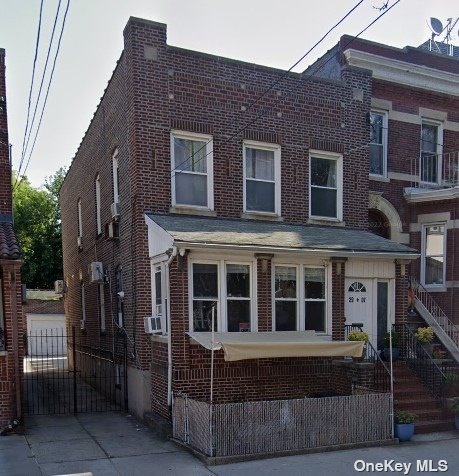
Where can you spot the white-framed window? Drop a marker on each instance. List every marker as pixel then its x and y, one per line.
pixel 433 266
pixel 159 299
pixel 192 170
pixel 98 218
pixel 116 180
pixel 228 288
pixel 262 177
pixel 101 302
pixel 80 219
pixel 301 298
pixel 326 186
pixel 431 149
pixel 378 143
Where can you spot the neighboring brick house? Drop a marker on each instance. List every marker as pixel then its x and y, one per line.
pixel 11 321
pixel 414 171
pixel 184 212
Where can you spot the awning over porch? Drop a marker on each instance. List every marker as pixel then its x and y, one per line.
pixel 259 345
pixel 184 231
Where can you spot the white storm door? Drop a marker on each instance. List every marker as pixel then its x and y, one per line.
pixel 359 305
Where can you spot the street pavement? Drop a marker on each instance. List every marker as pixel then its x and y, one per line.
pixel 107 444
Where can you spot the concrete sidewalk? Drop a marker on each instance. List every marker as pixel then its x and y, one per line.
pixel 105 444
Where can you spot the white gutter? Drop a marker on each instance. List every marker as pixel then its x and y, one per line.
pixel 169 333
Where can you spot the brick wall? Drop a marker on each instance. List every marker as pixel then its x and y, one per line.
pixel 5 168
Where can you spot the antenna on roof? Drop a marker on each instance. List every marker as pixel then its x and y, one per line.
pixel 437 28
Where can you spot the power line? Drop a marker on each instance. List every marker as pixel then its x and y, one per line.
pixel 37 43
pixel 47 93
pixel 175 170
pixel 279 80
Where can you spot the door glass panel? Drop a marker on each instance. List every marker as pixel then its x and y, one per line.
pixel 383 291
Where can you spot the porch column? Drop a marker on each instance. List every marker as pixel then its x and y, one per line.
pixel 264 297
pixel 401 290
pixel 338 294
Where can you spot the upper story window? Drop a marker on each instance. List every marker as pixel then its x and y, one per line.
pixel 325 186
pixel 262 178
pixel 98 218
pixel 431 144
pixel 300 307
pixel 378 143
pixel 79 224
pixel 224 288
pixel 116 180
pixel 192 170
pixel 433 268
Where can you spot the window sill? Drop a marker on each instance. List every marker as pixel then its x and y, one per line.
pixel 159 338
pixel 379 178
pixel 326 221
pixel 261 216
pixel 435 289
pixel 193 211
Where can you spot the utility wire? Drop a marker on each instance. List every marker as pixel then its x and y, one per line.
pixel 47 93
pixel 175 170
pixel 37 43
pixel 275 83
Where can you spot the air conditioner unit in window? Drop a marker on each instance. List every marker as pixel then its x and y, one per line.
pixel 96 272
pixel 112 230
pixel 115 208
pixel 80 242
pixel 82 324
pixel 59 286
pixel 152 325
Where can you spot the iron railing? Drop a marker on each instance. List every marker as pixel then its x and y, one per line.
pixel 436 171
pixel 381 372
pixel 423 296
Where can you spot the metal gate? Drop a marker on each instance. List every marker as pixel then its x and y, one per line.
pixel 72 374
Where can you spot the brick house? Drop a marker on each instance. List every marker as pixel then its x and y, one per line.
pixel 268 226
pixel 11 322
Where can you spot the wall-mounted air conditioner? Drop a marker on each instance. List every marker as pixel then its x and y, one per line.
pixel 96 272
pixel 59 286
pixel 152 325
pixel 115 209
pixel 112 230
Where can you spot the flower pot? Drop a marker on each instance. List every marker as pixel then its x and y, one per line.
pixel 361 359
pixel 456 422
pixel 386 354
pixel 404 431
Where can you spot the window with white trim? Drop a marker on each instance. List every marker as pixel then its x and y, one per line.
pixel 159 294
pixel 98 219
pixel 225 287
pixel 192 170
pixel 433 268
pixel 378 143
pixel 116 180
pixel 261 178
pixel 431 140
pixel 300 307
pixel 325 186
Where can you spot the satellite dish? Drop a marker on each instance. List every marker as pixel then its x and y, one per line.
pixel 436 25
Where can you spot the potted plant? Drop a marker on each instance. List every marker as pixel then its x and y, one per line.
pixel 455 410
pixel 404 425
pixel 395 347
pixel 359 336
pixel 425 336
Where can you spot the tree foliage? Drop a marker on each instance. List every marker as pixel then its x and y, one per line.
pixel 38 226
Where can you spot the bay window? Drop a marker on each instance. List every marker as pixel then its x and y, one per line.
pixel 378 143
pixel 314 299
pixel 285 296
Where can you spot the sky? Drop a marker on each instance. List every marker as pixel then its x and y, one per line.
pixel 259 31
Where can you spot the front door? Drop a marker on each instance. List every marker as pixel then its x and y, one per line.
pixel 359 305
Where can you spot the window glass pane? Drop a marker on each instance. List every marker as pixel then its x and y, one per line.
pixel 260 196
pixel 314 283
pixel 376 159
pixel 191 189
pixel 190 155
pixel 202 316
pixel 434 270
pixel 323 202
pixel 259 163
pixel 323 172
pixel 285 315
pixel 315 316
pixel 205 281
pixel 285 282
pixel 429 138
pixel 158 293
pixel 238 316
pixel 434 240
pixel 376 128
pixel 237 280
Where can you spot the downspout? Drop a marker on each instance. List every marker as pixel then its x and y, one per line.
pixel 169 329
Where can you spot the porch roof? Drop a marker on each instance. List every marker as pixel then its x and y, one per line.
pixel 9 245
pixel 204 232
pixel 258 345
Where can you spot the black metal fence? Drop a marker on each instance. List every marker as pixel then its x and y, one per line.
pixel 69 374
